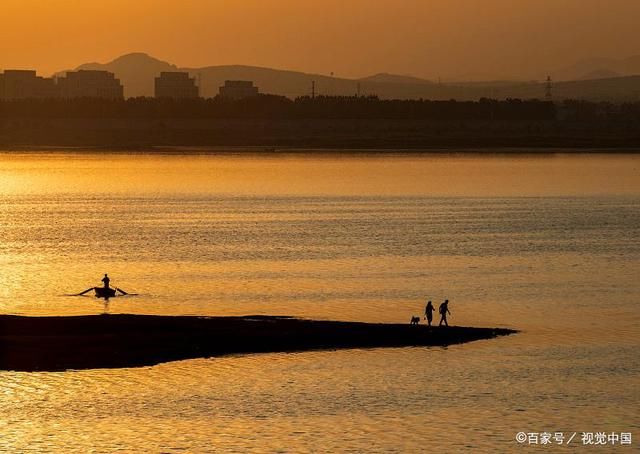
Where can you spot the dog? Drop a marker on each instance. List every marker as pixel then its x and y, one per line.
pixel 415 320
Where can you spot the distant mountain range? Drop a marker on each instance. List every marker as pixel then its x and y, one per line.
pixel 386 78
pixel 599 68
pixel 138 70
pixel 595 79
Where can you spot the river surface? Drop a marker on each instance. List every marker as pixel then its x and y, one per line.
pixel 549 245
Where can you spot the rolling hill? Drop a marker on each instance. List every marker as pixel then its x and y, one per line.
pixel 138 70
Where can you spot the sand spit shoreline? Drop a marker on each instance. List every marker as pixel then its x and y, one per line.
pixel 124 340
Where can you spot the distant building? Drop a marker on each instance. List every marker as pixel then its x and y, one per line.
pixel 90 84
pixel 21 84
pixel 176 85
pixel 238 89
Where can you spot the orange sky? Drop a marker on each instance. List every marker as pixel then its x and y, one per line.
pixel 428 38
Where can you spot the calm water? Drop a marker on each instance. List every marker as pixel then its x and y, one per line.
pixel 548 245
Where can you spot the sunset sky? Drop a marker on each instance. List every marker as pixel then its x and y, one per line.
pixel 453 39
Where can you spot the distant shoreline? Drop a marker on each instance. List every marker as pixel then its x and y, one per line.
pixel 301 151
pixel 365 135
pixel 123 340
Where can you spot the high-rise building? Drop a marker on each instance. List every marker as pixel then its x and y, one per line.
pixel 21 84
pixel 238 89
pixel 90 84
pixel 176 85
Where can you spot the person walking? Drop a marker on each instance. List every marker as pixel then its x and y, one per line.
pixel 428 312
pixel 444 310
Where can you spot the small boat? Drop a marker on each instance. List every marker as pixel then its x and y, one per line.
pixel 104 292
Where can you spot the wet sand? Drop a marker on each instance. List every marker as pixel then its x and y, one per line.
pixel 110 341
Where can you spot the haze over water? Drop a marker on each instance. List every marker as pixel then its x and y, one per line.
pixel 544 244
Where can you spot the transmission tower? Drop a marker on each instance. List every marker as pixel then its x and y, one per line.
pixel 547 89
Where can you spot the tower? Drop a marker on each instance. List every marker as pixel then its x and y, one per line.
pixel 547 89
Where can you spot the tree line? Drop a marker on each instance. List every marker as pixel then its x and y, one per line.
pixel 325 107
pixel 270 106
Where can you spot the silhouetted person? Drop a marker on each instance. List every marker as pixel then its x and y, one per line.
pixel 428 312
pixel 106 280
pixel 444 310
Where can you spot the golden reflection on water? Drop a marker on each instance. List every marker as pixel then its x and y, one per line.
pixel 548 245
pixel 434 175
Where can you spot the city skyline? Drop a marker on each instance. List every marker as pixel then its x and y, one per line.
pixel 17 84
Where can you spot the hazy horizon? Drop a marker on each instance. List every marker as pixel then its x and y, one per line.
pixel 461 39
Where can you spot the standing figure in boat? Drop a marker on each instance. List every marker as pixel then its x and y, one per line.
pixel 106 291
